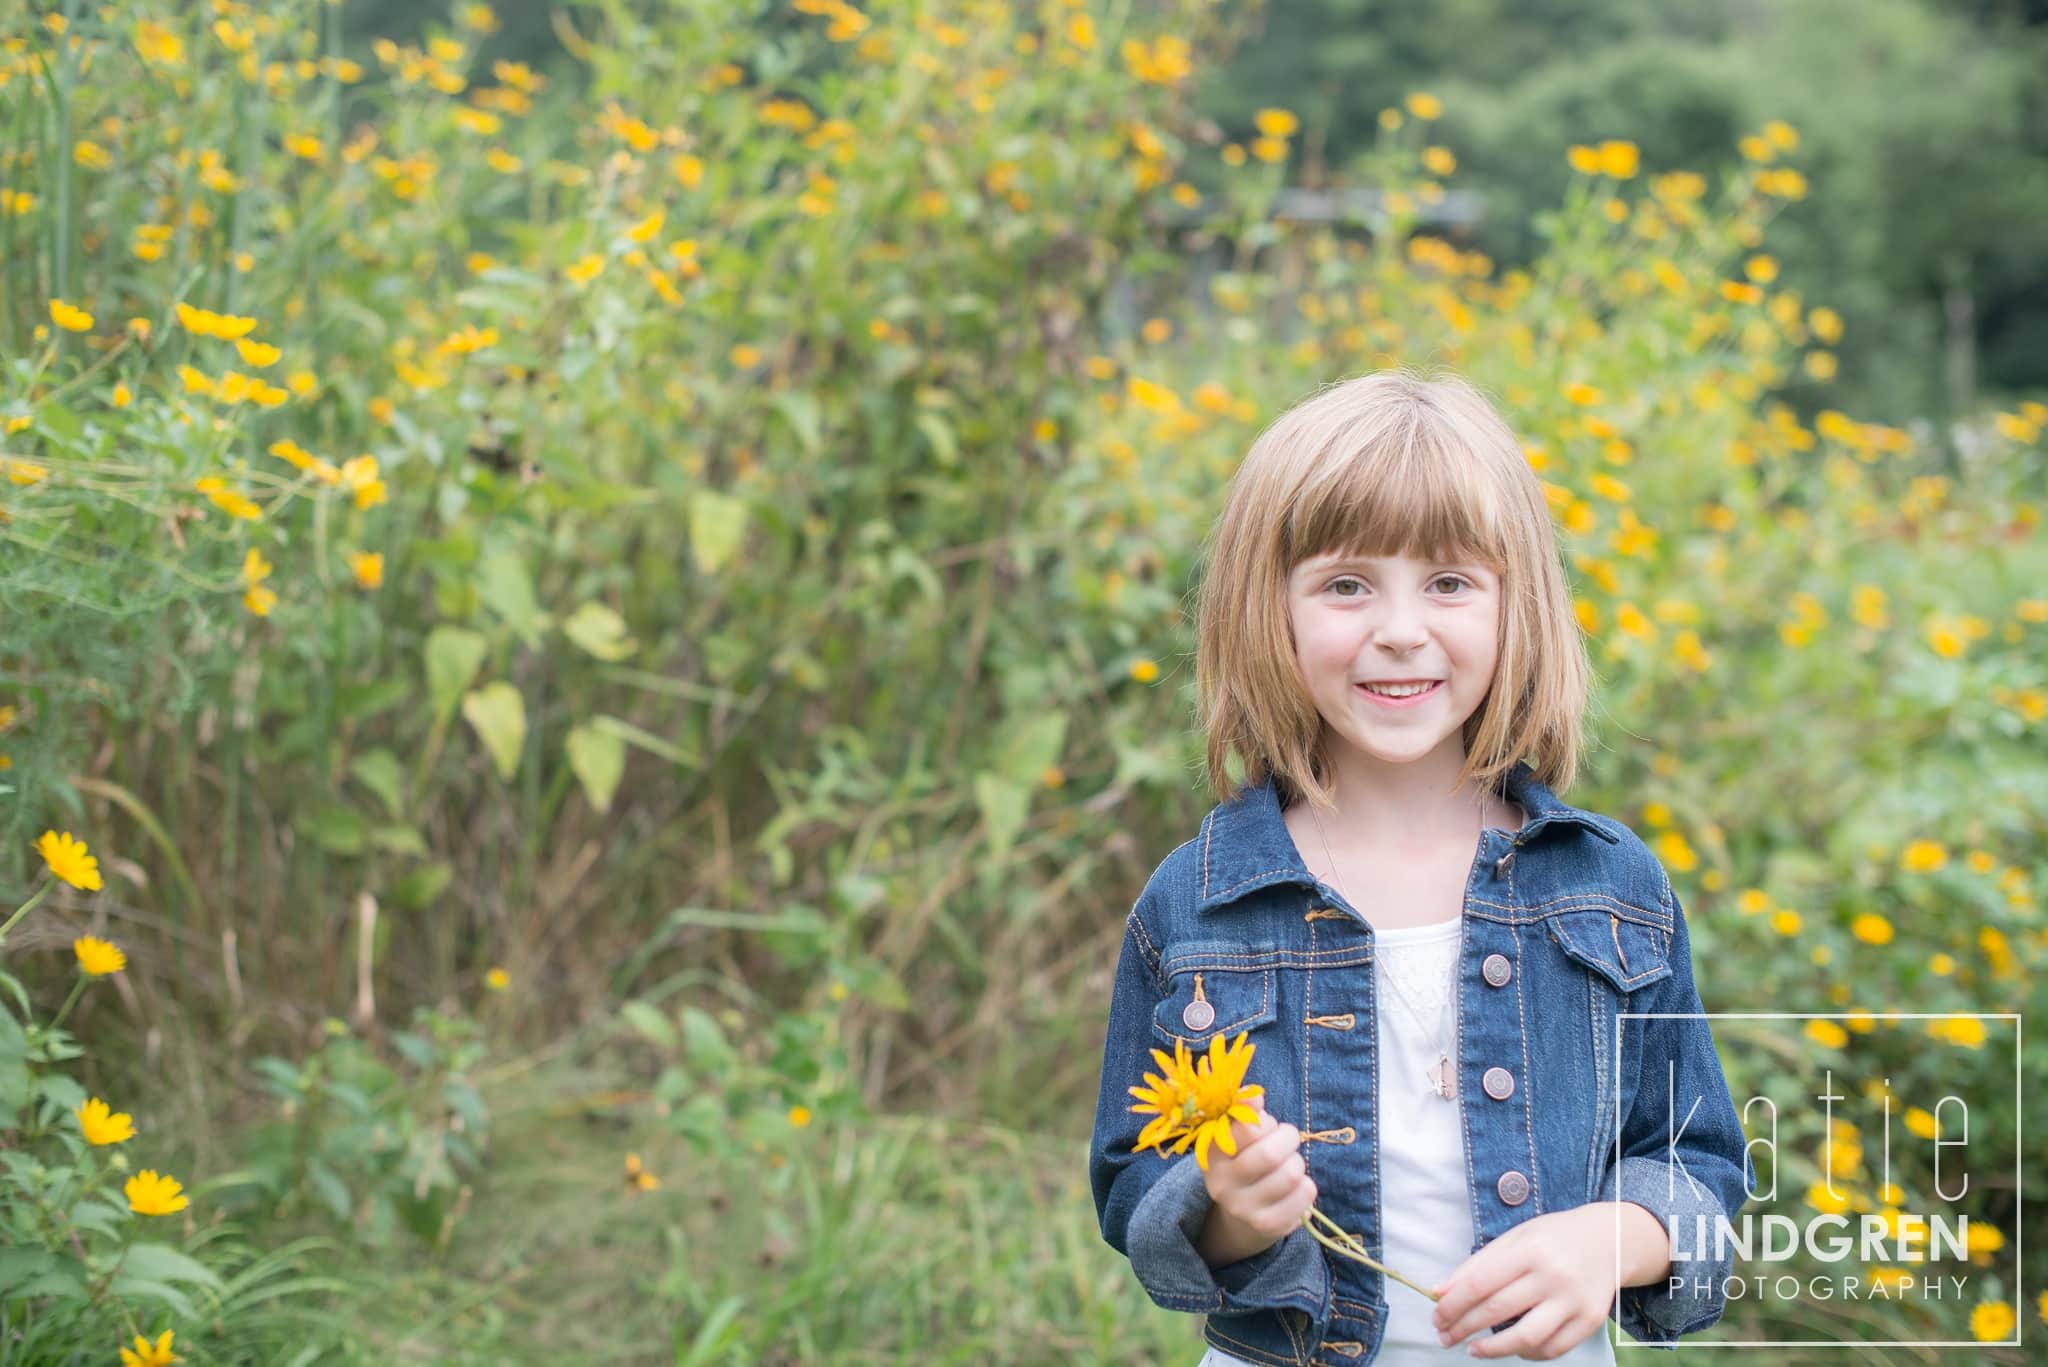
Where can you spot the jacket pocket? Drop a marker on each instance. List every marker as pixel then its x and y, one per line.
pixel 1208 996
pixel 1627 953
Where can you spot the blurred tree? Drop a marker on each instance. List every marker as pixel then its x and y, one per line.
pixel 1924 138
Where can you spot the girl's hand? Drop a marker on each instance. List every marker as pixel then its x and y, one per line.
pixel 1559 1272
pixel 1264 1188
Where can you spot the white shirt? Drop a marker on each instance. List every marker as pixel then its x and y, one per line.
pixel 1425 1207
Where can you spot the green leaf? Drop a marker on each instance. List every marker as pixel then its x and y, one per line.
pixel 801 411
pixel 127 1284
pixel 599 758
pixel 379 771
pixel 399 839
pixel 26 1272
pixel 718 522
pixel 336 829
pixel 1033 746
pixel 422 885
pixel 601 632
pixel 1004 806
pixel 160 1263
pixel 649 1021
pixel 507 590
pixel 454 654
pixel 646 740
pixel 498 714
pixel 939 433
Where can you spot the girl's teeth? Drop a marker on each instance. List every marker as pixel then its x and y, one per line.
pixel 1407 691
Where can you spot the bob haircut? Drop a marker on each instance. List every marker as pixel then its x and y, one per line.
pixel 1394 462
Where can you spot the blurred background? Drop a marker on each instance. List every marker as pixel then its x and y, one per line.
pixel 606 586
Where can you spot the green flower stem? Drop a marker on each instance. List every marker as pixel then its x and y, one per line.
pixel 26 907
pixel 77 990
pixel 1351 1248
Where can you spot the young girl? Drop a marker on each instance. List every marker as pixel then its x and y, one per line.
pixel 1472 1003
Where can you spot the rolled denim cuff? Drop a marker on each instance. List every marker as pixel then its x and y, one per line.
pixel 1291 1274
pixel 1689 1297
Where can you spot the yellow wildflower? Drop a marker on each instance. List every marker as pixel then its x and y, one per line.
pixel 151 1194
pixel 66 856
pixel 147 1354
pixel 96 957
pixel 70 318
pixel 101 1124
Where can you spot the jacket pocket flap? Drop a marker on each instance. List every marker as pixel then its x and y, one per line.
pixel 1626 953
pixel 1205 1000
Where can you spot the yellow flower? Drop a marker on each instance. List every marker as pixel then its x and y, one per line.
pixel 146 1354
pixel 1871 928
pixel 1195 1104
pixel 1439 161
pixel 69 318
pixel 1827 1033
pixel 68 858
pixel 122 396
pixel 1920 1122
pixel 150 1194
pixel 1821 1200
pixel 637 1177
pixel 1923 856
pixel 1424 105
pixel 1992 1321
pixel 497 980
pixel 645 230
pixel 1144 671
pixel 360 475
pixel 1581 394
pixel 744 357
pixel 96 957
pixel 799 1116
pixel 368 568
pixel 101 1124
pixel 1785 921
pixel 257 354
pixel 2041 1307
pixel 1618 159
pixel 1276 123
pixel 586 270
pixel 1781 135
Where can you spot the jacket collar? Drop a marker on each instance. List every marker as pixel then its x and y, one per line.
pixel 1246 844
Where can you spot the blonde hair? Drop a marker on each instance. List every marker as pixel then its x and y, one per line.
pixel 1391 463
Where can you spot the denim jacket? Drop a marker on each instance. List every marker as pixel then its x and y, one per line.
pixel 1567 923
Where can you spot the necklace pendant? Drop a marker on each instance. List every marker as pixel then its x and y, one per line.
pixel 1440 1076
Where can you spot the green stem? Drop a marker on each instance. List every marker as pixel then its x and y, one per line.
pixel 1351 1248
pixel 77 990
pixel 25 908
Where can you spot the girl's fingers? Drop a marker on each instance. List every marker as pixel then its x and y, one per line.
pixel 1509 1301
pixel 1528 1334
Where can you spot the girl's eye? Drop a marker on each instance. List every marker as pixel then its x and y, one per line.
pixel 1350 579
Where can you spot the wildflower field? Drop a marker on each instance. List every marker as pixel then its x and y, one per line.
pixel 592 660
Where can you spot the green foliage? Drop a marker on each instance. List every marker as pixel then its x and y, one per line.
pixel 379 1148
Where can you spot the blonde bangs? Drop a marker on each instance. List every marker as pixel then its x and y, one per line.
pixel 1401 491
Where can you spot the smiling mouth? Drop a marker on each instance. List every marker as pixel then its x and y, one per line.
pixel 1402 693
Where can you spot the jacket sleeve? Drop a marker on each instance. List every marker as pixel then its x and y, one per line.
pixel 1152 1208
pixel 1682 1154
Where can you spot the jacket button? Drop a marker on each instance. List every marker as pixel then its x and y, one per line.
pixel 1503 864
pixel 1499 1084
pixel 1512 1188
pixel 1496 970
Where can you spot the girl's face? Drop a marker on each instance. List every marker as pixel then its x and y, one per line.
pixel 1393 620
